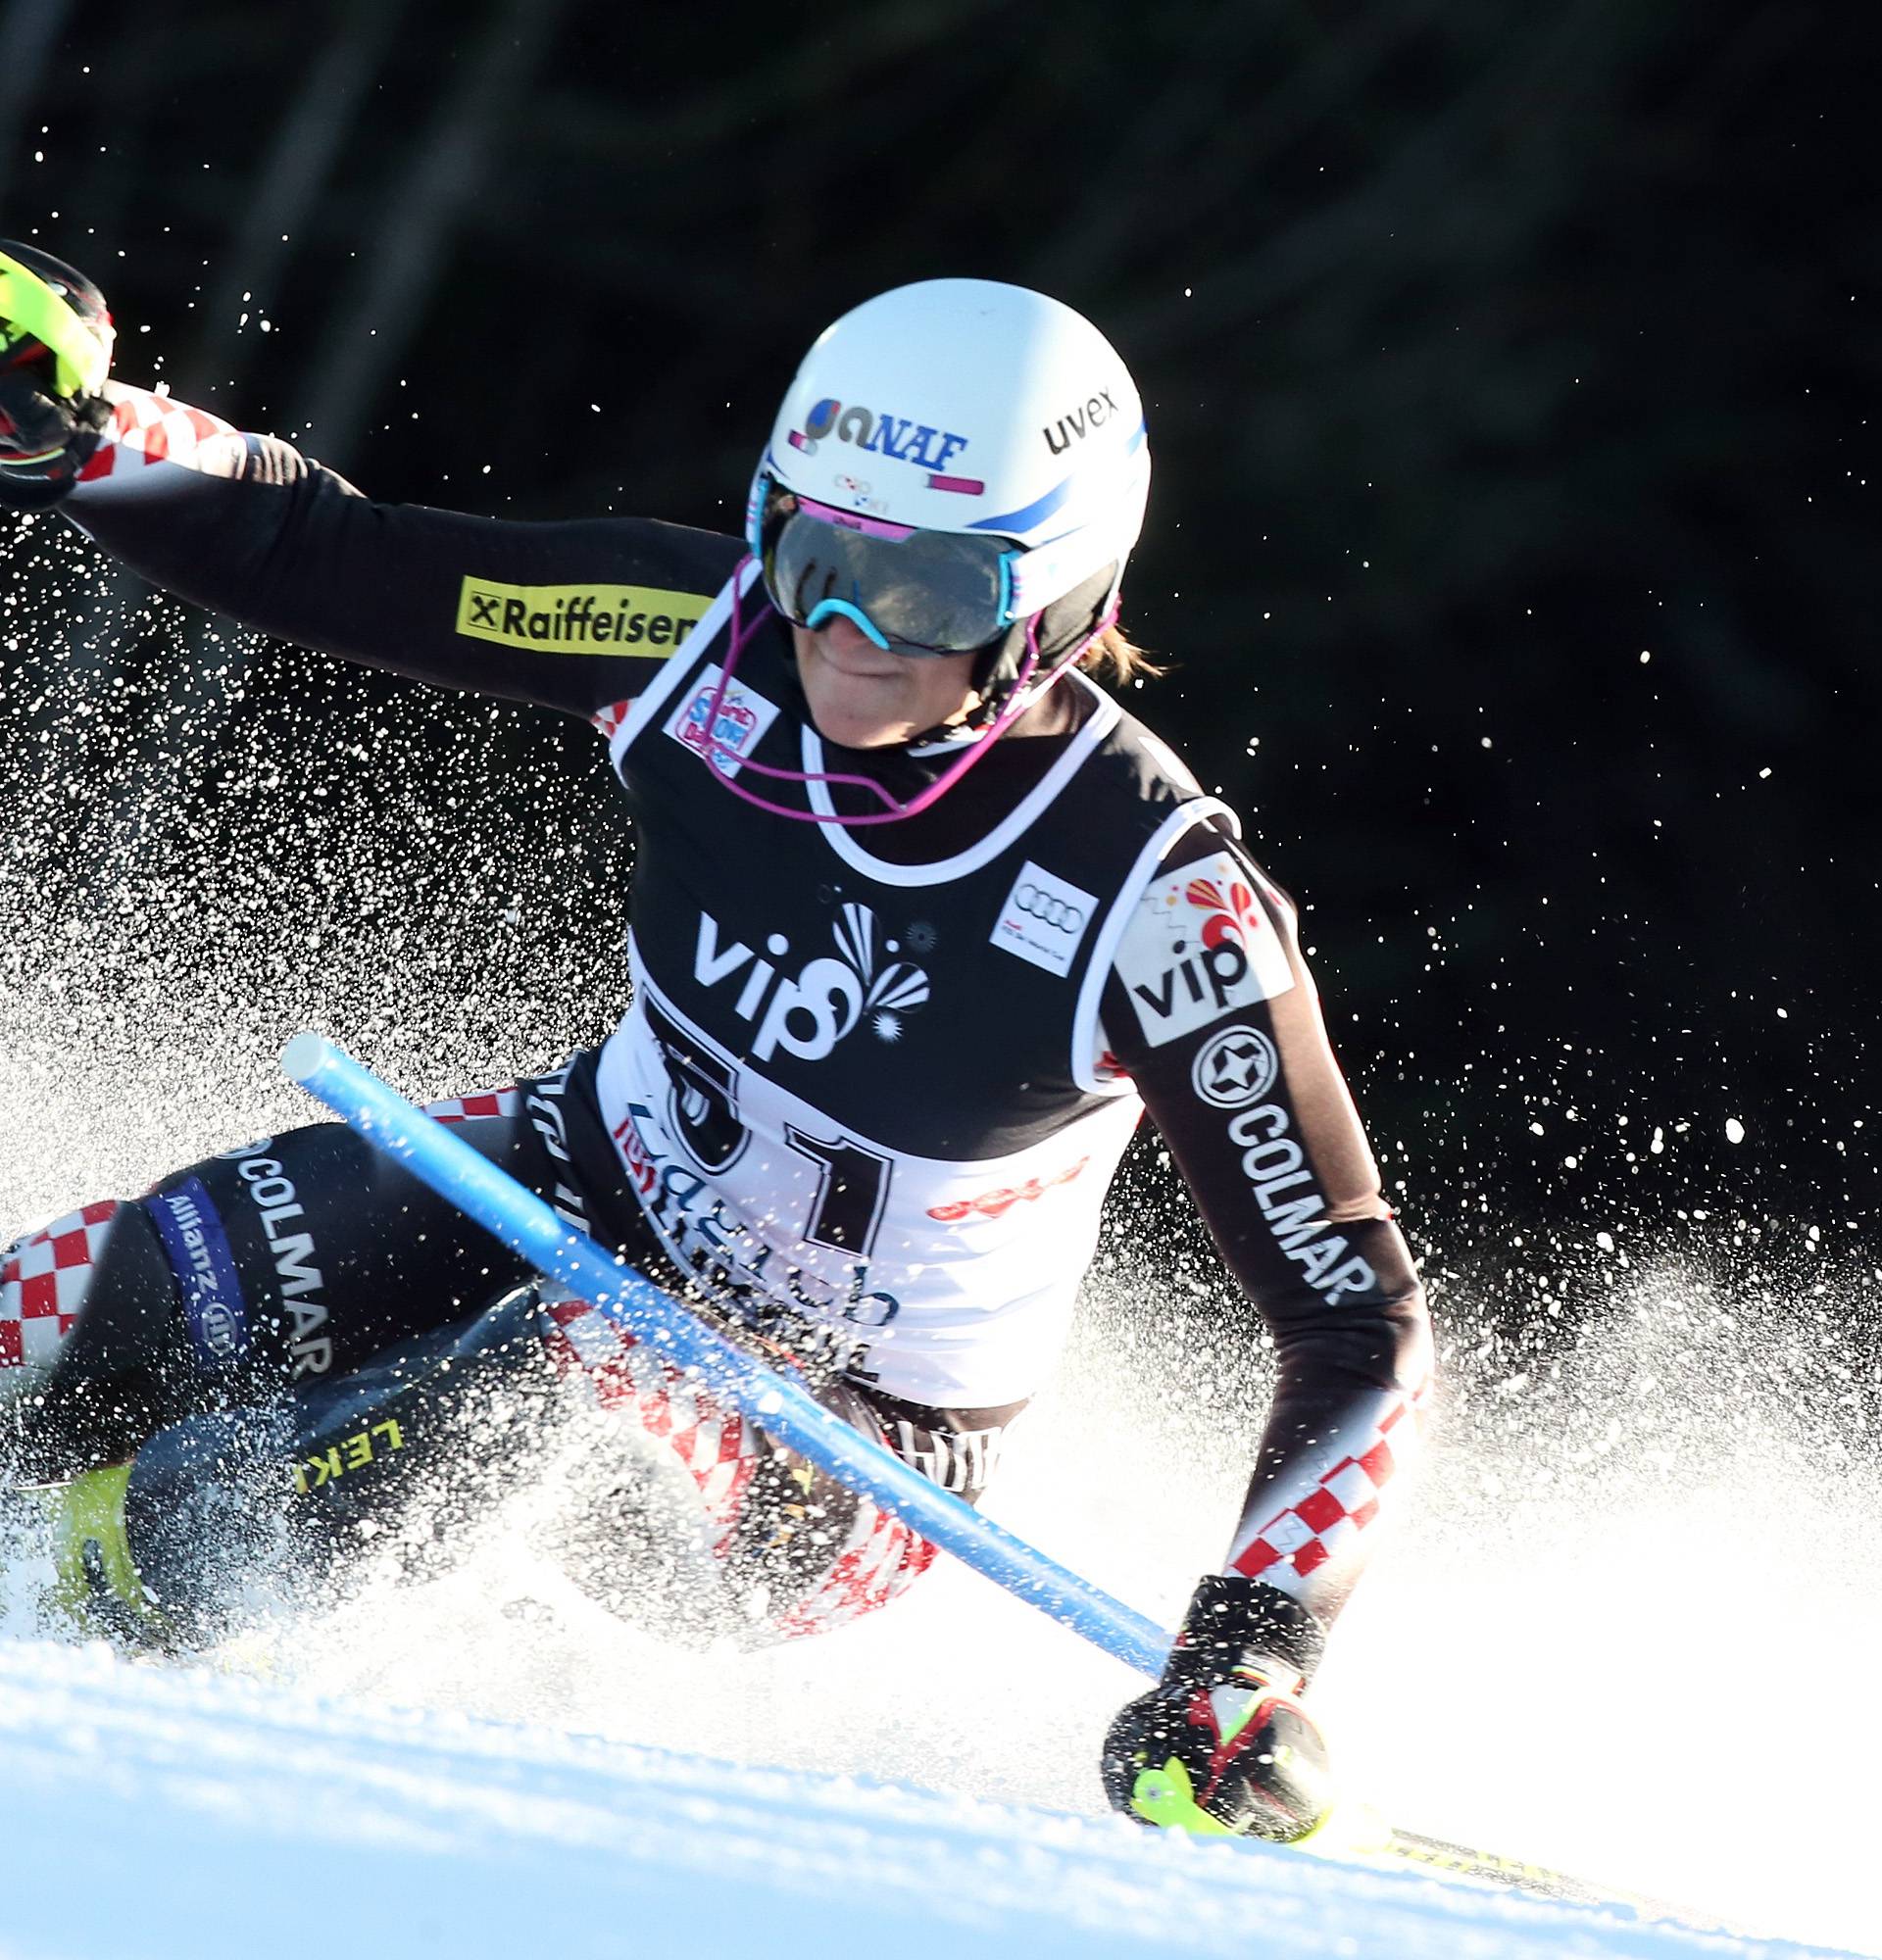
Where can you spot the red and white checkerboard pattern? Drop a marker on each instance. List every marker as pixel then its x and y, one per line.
pixel 881 1559
pixel 609 720
pixel 146 429
pixel 1322 1525
pixel 719 1450
pixel 42 1286
pixel 714 1443
pixel 467 1109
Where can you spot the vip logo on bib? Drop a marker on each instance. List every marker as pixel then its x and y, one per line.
pixel 1043 919
pixel 1200 946
pixel 737 728
pixel 808 1013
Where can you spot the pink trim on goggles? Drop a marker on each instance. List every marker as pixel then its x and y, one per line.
pixel 848 521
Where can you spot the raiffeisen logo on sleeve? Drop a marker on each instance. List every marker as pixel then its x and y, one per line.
pixel 642 621
pixel 1198 947
pixel 1044 919
pixel 738 728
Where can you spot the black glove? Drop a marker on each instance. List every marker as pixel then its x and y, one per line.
pixel 55 352
pixel 1222 1745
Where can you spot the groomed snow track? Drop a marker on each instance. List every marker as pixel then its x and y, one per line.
pixel 156 1813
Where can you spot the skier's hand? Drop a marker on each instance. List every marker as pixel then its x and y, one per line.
pixel 55 353
pixel 1222 1745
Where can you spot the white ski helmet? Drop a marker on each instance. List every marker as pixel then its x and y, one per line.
pixel 971 407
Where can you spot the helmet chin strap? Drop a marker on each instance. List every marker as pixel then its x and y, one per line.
pixel 1028 687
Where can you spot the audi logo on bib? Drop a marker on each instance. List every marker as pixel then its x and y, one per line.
pixel 1042 919
pixel 1059 913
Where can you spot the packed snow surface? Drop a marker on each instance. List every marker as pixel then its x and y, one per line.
pixel 490 1764
pixel 162 1813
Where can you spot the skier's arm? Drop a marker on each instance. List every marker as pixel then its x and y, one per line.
pixel 575 615
pixel 1212 1011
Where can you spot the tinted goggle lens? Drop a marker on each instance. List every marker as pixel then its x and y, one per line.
pixel 926 592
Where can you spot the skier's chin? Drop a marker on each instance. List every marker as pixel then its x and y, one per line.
pixel 852 721
pixel 862 698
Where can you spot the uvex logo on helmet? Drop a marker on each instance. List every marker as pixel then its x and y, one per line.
pixel 1073 427
pixel 896 437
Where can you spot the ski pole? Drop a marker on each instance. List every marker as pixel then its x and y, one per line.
pixel 527 1226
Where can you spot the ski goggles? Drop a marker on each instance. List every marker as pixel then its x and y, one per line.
pixel 914 592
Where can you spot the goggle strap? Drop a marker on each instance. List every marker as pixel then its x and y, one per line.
pixel 1035 578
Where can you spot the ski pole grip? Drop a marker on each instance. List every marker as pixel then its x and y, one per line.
pixel 521 1220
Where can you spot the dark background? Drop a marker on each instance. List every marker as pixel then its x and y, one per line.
pixel 1510 374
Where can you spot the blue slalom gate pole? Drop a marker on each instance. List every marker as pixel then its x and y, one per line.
pixel 527 1226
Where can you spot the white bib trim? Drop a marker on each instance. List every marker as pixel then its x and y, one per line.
pixel 1104 717
pixel 1084 1027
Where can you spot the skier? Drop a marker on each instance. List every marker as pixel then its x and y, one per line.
pixel 921 923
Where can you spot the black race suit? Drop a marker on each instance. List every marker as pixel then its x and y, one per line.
pixel 864 1104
